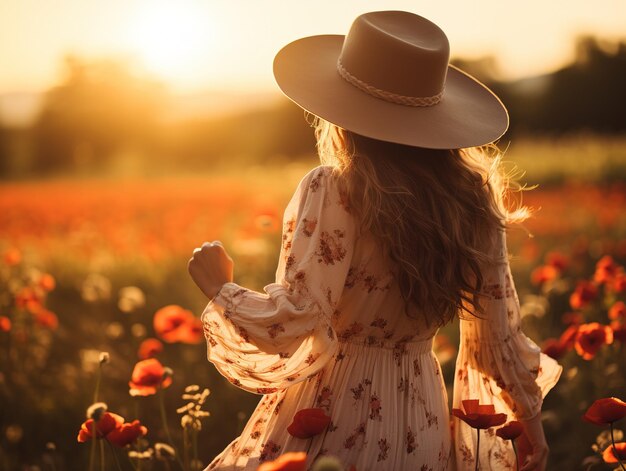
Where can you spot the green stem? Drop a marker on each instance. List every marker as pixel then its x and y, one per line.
pixel 195 446
pixel 92 454
pixel 117 461
pixel 186 447
pixel 167 430
pixel 53 460
pixel 615 449
pixel 477 446
pixel 8 363
pixel 133 464
pixel 4 459
pixel 136 405
pixel 515 451
pixel 98 377
pixel 102 455
pixel 137 445
pixel 92 457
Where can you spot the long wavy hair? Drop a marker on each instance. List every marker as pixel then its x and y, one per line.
pixel 436 213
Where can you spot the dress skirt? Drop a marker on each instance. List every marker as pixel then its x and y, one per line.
pixel 333 333
pixel 389 411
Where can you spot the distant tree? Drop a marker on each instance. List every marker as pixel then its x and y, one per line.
pixel 590 93
pixel 4 152
pixel 99 107
pixel 254 136
pixel 485 69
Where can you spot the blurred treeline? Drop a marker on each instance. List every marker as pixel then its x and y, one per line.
pixel 102 117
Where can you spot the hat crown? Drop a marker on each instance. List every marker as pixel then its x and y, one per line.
pixel 398 52
pixel 389 79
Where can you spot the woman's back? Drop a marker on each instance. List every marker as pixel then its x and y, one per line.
pixel 381 247
pixel 335 301
pixel 435 213
pixel 331 334
pixel 372 309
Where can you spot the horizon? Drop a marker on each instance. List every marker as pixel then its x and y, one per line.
pixel 201 62
pixel 193 46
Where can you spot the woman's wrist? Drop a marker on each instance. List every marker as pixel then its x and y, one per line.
pixel 533 427
pixel 534 419
pixel 219 290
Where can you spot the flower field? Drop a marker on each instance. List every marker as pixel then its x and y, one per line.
pixel 102 359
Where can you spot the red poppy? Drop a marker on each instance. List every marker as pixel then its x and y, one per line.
pixel 148 376
pixel 292 461
pixel 149 348
pixel 606 269
pixel 617 311
pixel 511 430
pixel 619 283
pixel 127 433
pixel 572 318
pixel 174 324
pixel 619 331
pixel 107 423
pixel 45 318
pixel 27 298
pixel 568 337
pixel 168 320
pixel 193 331
pixel 308 423
pixel 12 257
pixel 584 293
pixel 543 274
pixel 5 324
pixel 481 416
pixel 553 348
pixel 605 410
pixel 557 260
pixel 609 453
pixel 47 282
pixel 556 348
pixel 591 337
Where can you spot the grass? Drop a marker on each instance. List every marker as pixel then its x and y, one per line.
pixel 74 227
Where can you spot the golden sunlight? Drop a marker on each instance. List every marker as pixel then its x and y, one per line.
pixel 171 39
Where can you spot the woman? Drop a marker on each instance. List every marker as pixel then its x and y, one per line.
pixel 400 230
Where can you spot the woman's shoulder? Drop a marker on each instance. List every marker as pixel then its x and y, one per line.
pixel 324 183
pixel 319 176
pixel 321 171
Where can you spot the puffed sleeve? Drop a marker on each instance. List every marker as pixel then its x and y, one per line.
pixel 498 364
pixel 262 342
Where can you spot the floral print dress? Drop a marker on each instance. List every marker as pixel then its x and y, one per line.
pixel 331 333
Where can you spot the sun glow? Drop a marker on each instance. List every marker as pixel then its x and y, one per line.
pixel 173 40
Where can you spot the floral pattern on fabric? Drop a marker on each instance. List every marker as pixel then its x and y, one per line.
pixel 331 333
pixel 498 364
pixel 265 342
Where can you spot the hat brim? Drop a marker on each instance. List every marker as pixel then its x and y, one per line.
pixel 468 115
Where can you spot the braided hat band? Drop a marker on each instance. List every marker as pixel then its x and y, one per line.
pixel 385 80
pixel 387 95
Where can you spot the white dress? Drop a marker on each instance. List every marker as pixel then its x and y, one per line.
pixel 331 333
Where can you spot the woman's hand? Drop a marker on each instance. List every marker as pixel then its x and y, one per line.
pixel 210 267
pixel 532 445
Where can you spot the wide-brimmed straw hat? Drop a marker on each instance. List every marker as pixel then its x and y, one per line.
pixel 390 79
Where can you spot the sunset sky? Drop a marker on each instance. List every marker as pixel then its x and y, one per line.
pixel 196 45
